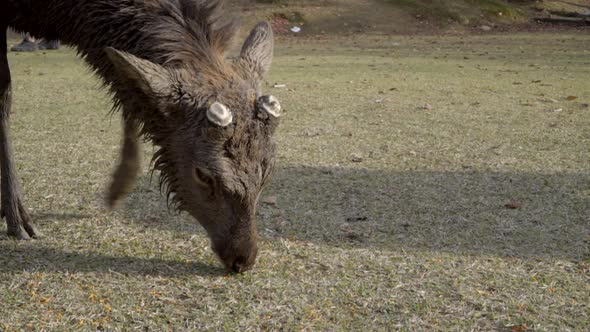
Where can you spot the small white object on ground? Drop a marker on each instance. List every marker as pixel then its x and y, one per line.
pixel 296 29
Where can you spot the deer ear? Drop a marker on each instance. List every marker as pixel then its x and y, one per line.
pixel 150 77
pixel 257 50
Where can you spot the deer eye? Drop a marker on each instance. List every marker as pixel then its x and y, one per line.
pixel 203 179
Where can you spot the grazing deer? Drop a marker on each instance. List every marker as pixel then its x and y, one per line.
pixel 165 64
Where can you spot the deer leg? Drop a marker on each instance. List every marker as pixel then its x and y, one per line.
pixel 128 168
pixel 17 219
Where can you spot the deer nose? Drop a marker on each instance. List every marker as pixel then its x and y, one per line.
pixel 241 264
pixel 238 266
pixel 234 260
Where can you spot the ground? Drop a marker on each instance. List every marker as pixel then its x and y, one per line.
pixel 386 17
pixel 423 183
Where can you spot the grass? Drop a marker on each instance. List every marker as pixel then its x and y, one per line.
pixel 437 9
pixel 464 12
pixel 414 237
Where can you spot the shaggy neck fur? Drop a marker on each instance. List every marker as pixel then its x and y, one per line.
pixel 181 35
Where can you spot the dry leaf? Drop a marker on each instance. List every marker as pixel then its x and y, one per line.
pixel 513 204
pixel 518 328
pixel 357 219
pixel 571 98
pixel 270 200
pixel 356 159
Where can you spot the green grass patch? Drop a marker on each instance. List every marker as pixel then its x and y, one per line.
pixel 466 11
pixel 431 9
pixel 497 8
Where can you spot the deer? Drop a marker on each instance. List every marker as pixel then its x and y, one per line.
pixel 166 65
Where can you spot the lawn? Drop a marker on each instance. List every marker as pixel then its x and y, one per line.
pixel 423 184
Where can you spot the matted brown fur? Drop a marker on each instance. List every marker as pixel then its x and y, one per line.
pixel 164 62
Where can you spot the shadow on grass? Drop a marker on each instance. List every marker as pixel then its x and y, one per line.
pixel 499 214
pixel 34 258
pixel 42 217
pixel 526 215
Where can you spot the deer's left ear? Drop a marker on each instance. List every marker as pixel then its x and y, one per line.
pixel 151 78
pixel 257 50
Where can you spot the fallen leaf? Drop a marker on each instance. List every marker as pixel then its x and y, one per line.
pixel 513 204
pixel 356 219
pixel 270 200
pixel 356 159
pixel 518 328
pixel 571 98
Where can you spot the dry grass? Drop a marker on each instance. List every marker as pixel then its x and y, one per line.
pixel 415 236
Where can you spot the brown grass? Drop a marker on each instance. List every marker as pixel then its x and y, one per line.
pixel 398 157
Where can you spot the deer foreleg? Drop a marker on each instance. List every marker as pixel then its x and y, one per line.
pixel 17 219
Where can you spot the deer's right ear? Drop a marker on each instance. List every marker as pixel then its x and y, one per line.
pixel 151 78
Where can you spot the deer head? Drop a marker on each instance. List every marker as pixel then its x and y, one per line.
pixel 215 132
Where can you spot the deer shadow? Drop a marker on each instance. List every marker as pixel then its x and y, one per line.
pixel 65 216
pixel 528 215
pixel 35 258
pixel 469 212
